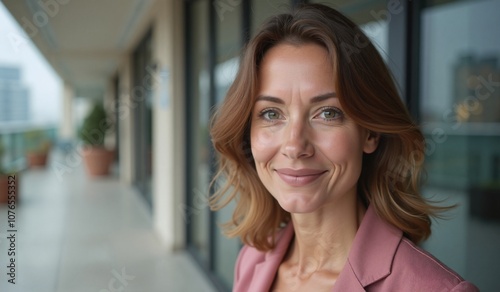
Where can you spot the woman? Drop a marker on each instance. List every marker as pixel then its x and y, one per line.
pixel 323 161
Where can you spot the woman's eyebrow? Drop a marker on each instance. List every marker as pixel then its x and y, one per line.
pixel 315 99
pixel 322 97
pixel 270 98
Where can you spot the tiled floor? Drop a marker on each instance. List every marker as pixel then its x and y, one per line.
pixel 76 234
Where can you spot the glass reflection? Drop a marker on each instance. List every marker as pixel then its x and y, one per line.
pixel 460 106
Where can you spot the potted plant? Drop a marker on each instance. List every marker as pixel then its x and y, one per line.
pixel 9 180
pixel 38 148
pixel 96 157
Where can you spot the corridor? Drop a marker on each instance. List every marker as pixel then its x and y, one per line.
pixel 76 234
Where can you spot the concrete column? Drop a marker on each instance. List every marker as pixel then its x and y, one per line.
pixel 67 126
pixel 125 118
pixel 168 125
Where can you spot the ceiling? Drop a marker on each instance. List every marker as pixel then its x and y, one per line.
pixel 83 40
pixel 86 40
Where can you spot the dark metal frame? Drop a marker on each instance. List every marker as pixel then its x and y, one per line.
pixel 140 116
pixel 212 53
pixel 404 52
pixel 413 57
pixel 116 99
pixel 187 121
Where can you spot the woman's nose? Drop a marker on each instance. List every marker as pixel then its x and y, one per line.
pixel 296 144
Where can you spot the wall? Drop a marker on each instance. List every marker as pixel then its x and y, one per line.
pixel 168 126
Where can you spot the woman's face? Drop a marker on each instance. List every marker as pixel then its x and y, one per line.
pixel 307 152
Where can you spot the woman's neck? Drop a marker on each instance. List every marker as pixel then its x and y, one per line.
pixel 323 239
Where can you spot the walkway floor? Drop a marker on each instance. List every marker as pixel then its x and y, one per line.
pixel 75 234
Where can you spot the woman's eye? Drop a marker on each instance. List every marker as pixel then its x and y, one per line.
pixel 330 114
pixel 270 114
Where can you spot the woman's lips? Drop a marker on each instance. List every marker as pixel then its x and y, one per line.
pixel 299 177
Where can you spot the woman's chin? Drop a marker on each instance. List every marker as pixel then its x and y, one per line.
pixel 299 205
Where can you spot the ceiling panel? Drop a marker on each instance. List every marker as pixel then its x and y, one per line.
pixel 84 40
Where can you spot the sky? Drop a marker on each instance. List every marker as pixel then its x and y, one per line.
pixel 44 84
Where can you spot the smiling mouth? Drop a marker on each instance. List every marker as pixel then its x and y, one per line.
pixel 300 177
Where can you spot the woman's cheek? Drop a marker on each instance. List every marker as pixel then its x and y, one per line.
pixel 339 145
pixel 264 144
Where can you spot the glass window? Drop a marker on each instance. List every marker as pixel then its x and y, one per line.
pixel 263 9
pixel 460 110
pixel 373 17
pixel 197 213
pixel 361 11
pixel 228 47
pixel 142 94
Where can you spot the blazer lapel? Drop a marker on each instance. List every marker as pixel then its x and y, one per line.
pixel 347 281
pixel 371 255
pixel 265 271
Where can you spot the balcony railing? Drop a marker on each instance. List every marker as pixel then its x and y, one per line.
pixel 18 138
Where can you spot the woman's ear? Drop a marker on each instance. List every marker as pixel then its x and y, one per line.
pixel 371 142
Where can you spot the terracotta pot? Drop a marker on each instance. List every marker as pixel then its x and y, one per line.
pixel 5 182
pixel 97 160
pixel 36 159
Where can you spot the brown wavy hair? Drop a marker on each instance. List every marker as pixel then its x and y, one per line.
pixel 390 176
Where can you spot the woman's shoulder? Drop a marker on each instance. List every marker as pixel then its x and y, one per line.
pixel 383 259
pixel 418 270
pixel 250 258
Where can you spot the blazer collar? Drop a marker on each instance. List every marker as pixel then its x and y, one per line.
pixel 372 252
pixel 370 258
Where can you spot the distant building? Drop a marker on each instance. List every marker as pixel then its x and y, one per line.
pixel 14 96
pixel 475 96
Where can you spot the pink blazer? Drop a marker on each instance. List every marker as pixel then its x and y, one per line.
pixel 380 259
